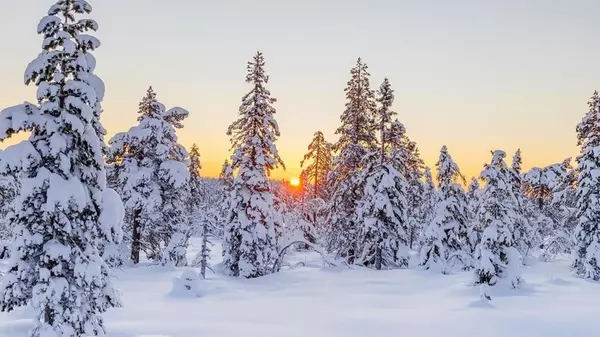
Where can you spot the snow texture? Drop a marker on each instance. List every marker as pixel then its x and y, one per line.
pixel 322 301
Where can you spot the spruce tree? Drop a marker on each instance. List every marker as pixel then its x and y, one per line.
pixel 550 205
pixel 421 194
pixel 497 257
pixel 424 196
pixel 150 172
pixel 319 152
pixel 586 238
pixel 225 187
pixel 203 210
pixel 446 237
pixel 383 233
pixel 474 228
pixel 62 217
pixel 196 186
pixel 250 248
pixel 9 190
pixel 523 232
pixel 356 138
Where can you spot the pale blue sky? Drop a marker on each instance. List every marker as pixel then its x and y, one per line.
pixel 474 75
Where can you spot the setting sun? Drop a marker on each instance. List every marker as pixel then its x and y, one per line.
pixel 295 182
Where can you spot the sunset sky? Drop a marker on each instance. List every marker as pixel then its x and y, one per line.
pixel 474 75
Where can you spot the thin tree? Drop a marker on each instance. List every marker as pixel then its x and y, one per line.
pixel 319 152
pixel 250 248
pixel 474 228
pixel 523 233
pixel 203 212
pixel 357 137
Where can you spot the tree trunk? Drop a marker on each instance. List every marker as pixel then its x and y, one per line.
pixel 48 319
pixel 136 238
pixel 378 257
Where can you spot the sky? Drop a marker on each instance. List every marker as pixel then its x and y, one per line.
pixel 474 75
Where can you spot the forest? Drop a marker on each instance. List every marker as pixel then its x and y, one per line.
pixel 77 209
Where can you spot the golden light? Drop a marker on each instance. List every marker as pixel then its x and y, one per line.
pixel 295 182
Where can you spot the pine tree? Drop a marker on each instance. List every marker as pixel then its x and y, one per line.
pixel 202 209
pixel 446 237
pixel 523 231
pixel 586 253
pixel 62 217
pixel 356 138
pixel 423 198
pixel 150 172
pixel 383 233
pixel 319 151
pixel 9 190
pixel 497 257
pixel 225 187
pixel 250 248
pixel 196 186
pixel 550 205
pixel 175 195
pixel 197 194
pixel 421 194
pixel 474 228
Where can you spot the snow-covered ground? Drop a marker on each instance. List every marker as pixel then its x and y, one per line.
pixel 313 301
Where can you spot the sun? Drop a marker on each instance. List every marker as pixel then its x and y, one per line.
pixel 295 182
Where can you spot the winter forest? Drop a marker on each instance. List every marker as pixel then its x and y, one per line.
pixel 125 237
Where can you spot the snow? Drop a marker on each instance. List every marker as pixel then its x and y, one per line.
pixel 48 25
pixel 328 302
pixel 113 211
pixel 188 285
pixel 61 192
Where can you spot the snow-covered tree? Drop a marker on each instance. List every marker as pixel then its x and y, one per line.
pixel 383 233
pixel 321 157
pixel 357 137
pixel 474 228
pixel 523 232
pixel 250 248
pixel 223 191
pixel 497 257
pixel 149 169
pixel 421 194
pixel 9 190
pixel 226 176
pixel 551 207
pixel 586 252
pixel 62 217
pixel 423 198
pixel 446 237
pixel 203 210
pixel 196 185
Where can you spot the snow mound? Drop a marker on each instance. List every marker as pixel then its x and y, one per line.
pixel 187 286
pixel 481 303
